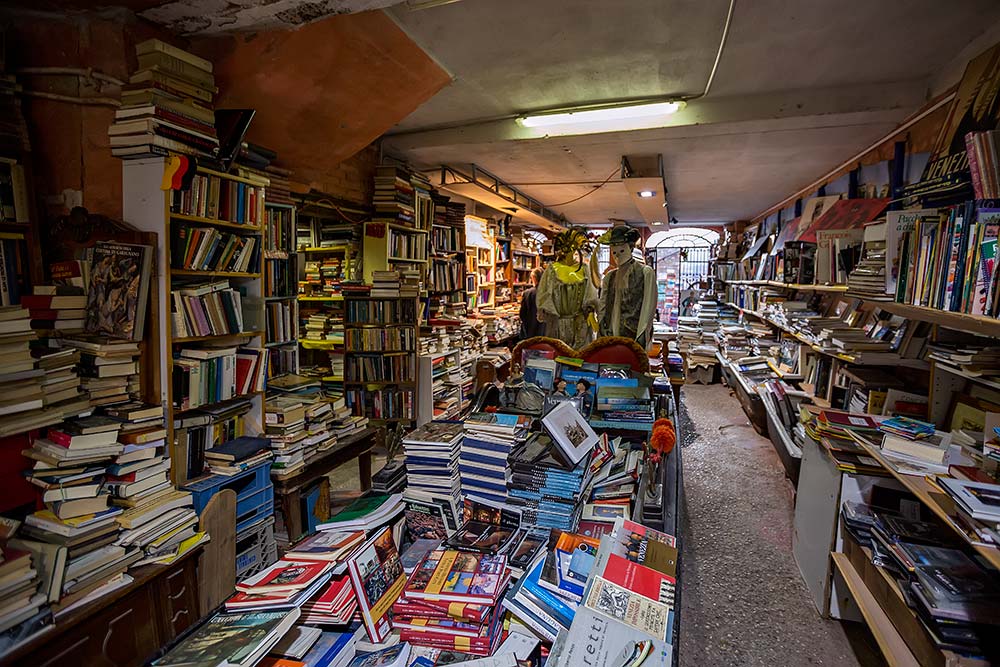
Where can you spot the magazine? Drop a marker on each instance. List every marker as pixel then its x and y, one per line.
pixel 231 639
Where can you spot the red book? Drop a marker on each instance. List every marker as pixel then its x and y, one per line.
pixel 52 301
pixel 461 611
pixel 283 577
pixel 847 419
pixel 244 369
pixel 845 214
pixel 437 636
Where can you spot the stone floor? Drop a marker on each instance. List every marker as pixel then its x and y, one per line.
pixel 743 601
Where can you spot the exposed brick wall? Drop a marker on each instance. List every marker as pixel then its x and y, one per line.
pixel 353 179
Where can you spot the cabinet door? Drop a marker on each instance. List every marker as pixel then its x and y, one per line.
pixel 123 635
pixel 178 600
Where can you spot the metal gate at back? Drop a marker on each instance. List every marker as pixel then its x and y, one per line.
pixel 679 274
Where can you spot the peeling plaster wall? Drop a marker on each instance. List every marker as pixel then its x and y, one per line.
pixel 323 92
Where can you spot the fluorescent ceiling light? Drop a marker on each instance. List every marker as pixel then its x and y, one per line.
pixel 646 194
pixel 624 113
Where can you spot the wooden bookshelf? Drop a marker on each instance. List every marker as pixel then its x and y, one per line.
pixel 367 362
pixel 148 208
pixel 280 275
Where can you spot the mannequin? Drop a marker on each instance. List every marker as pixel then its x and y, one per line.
pixel 628 291
pixel 566 295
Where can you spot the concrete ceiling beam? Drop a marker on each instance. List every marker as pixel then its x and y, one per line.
pixel 844 101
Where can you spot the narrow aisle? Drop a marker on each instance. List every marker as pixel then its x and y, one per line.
pixel 743 600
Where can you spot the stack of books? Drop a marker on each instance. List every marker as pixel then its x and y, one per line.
pixel 236 455
pixel 20 372
pixel 548 489
pixel 433 487
pixel 335 605
pixel 166 105
pixel 618 403
pixel 451 601
pixel 285 584
pixel 60 381
pixel 393 197
pixel 56 309
pixel 488 441
pixel 285 417
pixel 366 514
pixel 391 478
pixel 976 502
pixel 95 562
pixel 108 368
pixel 24 580
pixel 386 284
pixel 616 484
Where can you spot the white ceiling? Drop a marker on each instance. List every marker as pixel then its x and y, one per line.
pixel 801 86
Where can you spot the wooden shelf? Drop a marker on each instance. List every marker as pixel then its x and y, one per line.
pixel 893 645
pixel 934 498
pixel 253 229
pixel 381 383
pixel 383 353
pixel 281 343
pixel 407 260
pixel 977 324
pixel 241 397
pixel 211 274
pixel 261 182
pixel 402 228
pixel 337 297
pixel 334 248
pixel 310 344
pixel 280 298
pixel 197 339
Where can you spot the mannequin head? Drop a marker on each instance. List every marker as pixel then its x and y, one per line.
pixel 569 245
pixel 622 252
pixel 622 240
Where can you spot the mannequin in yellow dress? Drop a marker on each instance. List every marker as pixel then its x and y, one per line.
pixel 566 295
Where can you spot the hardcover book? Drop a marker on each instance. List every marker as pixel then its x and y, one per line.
pixel 231 639
pixel 378 579
pixel 119 289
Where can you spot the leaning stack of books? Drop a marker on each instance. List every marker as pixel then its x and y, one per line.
pixel 71 464
pixel 166 105
pixel 615 485
pixel 483 461
pixel 633 569
pixel 451 602
pixel 433 487
pixel 335 605
pixel 318 417
pixel 623 404
pixel 547 488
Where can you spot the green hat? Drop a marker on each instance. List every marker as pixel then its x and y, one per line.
pixel 618 235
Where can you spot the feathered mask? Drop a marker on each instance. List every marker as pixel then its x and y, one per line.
pixel 573 240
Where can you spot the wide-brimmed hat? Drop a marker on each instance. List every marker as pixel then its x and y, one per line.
pixel 618 235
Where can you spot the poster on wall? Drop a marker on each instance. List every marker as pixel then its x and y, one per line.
pixel 476 233
pixel 975 108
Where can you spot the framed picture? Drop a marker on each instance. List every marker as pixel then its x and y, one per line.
pixel 570 431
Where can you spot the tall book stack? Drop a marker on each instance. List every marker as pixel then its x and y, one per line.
pixel 108 368
pixel 394 196
pixel 546 488
pixel 433 487
pixel 488 441
pixel 56 309
pixel 166 105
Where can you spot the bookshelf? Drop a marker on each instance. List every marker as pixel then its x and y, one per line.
pixel 503 273
pixel 280 277
pixel 380 367
pixel 471 278
pixel 235 408
pixel 439 392
pixel 392 247
pixel 327 239
pixel 523 263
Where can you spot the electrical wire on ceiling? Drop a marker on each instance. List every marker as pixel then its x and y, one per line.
pixel 589 192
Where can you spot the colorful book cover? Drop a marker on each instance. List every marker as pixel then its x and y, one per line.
pixel 628 607
pixel 325 545
pixel 486 527
pixel 378 579
pixel 989 222
pixel 118 291
pixel 447 574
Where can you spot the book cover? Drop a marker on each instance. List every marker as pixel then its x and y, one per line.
pixel 378 579
pixel 283 576
pixel 447 574
pixel 486 527
pixel 230 639
pixel 628 607
pixel 119 289
pixel 326 545
pixel 570 431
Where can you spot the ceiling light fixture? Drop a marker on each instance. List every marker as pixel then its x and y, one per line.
pixel 646 194
pixel 605 115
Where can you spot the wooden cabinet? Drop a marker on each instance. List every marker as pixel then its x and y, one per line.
pixel 125 629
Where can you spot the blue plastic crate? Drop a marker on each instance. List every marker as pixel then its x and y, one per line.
pixel 245 484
